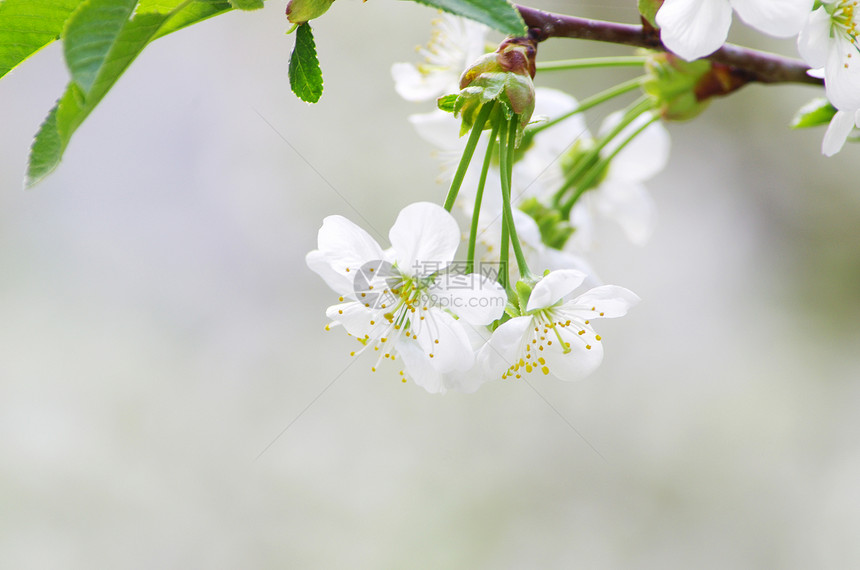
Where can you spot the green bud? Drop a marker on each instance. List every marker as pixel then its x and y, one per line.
pixel 554 229
pixel 301 11
pixel 504 75
pixel 672 82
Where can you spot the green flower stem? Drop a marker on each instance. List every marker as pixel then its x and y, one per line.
pixel 479 196
pixel 506 164
pixel 590 102
pixel 478 127
pixel 596 170
pixel 592 63
pixel 586 161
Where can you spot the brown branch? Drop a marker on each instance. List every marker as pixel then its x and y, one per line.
pixel 754 65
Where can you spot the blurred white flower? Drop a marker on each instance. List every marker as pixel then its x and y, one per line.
pixel 696 28
pixel 400 302
pixel 841 125
pixel 554 336
pixel 829 41
pixel 454 44
pixel 621 196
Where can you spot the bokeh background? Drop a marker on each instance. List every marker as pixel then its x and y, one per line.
pixel 159 330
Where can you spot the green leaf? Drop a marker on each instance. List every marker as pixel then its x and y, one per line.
pixel 305 74
pixel 817 112
pixel 101 42
pixel 91 35
pixel 26 26
pixel 498 14
pixel 247 4
pixel 448 103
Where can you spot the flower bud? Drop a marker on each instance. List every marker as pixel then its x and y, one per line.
pixel 672 83
pixel 301 11
pixel 505 76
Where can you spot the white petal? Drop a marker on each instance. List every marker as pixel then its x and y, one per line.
pixel 342 246
pixel 644 156
pixel 444 337
pixel 425 238
pixel 553 287
pixel 842 76
pixel 814 38
pixel 504 347
pixel 419 368
pixel 356 319
pixel 438 128
pixel 474 298
pixel 837 132
pixel 340 282
pixel 628 204
pixel 606 301
pixel 553 141
pixel 413 85
pixel 694 28
pixel 780 18
pixel 579 361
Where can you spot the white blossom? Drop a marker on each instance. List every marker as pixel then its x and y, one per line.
pixel 454 44
pixel 829 41
pixel 554 336
pixel 696 28
pixel 840 127
pixel 401 302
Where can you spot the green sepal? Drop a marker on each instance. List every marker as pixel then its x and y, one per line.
pixel 523 291
pixel 817 112
pixel 305 74
pixel 447 103
pixel 648 10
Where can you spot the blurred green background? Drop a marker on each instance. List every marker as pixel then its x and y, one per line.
pixel 159 329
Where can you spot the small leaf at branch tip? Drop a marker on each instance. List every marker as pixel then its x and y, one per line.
pixel 304 72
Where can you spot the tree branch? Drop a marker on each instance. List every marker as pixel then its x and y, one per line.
pixel 755 65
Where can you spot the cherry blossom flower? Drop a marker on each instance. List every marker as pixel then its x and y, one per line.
pixel 841 125
pixel 696 28
pixel 553 336
pixel 621 196
pixel 402 302
pixel 455 43
pixel 829 41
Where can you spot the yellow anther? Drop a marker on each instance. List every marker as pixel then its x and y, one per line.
pixel 431 355
pixel 436 341
pixel 581 332
pixel 542 360
pixel 601 314
pixel 597 337
pixel 373 322
pixel 529 368
pixel 544 369
pixel 340 299
pixel 339 312
pixel 588 346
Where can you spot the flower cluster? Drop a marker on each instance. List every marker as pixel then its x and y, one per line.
pixel 827 39
pixel 410 306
